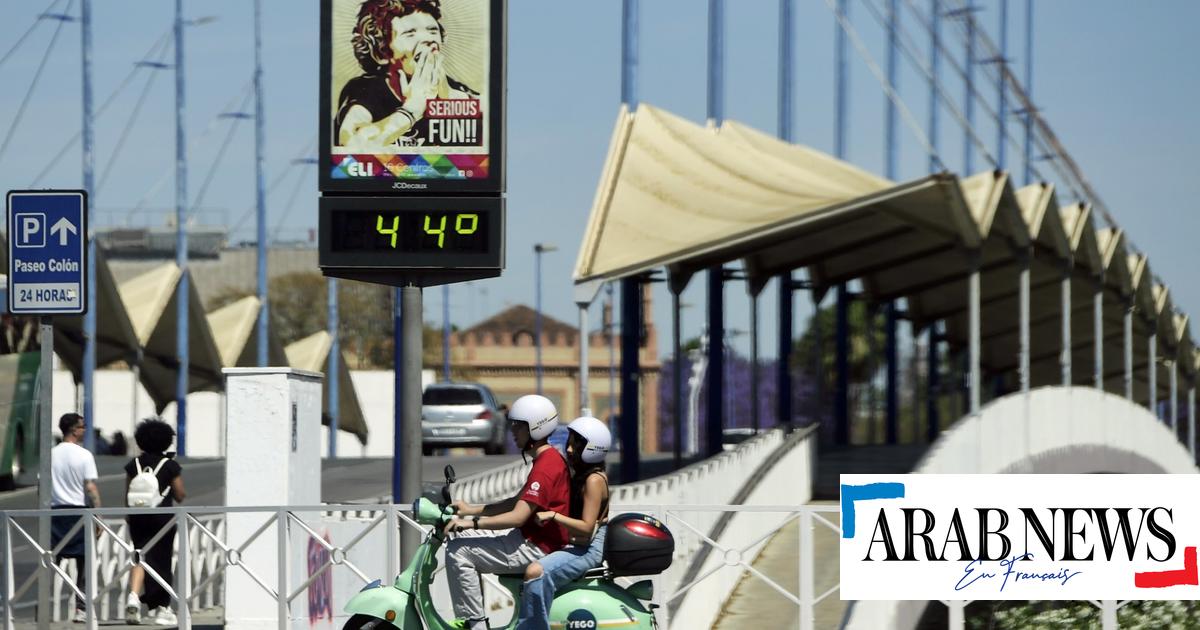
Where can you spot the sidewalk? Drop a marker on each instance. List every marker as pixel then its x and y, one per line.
pixel 211 619
pixel 754 603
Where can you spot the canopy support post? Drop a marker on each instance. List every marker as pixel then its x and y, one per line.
pixel 841 401
pixel 631 327
pixel 715 401
pixel 783 372
pixel 1129 349
pixel 1098 321
pixel 1065 358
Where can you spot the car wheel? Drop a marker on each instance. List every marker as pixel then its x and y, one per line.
pixel 493 449
pixel 427 451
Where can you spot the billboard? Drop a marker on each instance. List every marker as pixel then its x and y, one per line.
pixel 412 96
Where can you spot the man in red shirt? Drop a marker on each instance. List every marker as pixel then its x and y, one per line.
pixel 479 547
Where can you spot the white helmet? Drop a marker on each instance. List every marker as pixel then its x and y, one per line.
pixel 597 436
pixel 536 411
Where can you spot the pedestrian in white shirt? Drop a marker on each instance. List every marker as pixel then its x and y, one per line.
pixel 73 486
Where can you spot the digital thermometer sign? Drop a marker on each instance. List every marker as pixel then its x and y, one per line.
pixel 422 235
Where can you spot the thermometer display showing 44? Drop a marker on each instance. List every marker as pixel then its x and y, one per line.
pixel 411 231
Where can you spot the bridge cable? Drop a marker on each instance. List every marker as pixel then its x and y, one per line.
pixel 888 89
pixel 16 122
pixel 133 117
pixel 299 159
pixel 162 178
pixel 53 163
pixel 20 40
pixel 212 170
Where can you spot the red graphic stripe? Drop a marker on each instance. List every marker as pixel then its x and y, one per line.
pixel 1188 575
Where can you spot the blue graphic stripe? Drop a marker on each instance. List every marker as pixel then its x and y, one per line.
pixel 851 494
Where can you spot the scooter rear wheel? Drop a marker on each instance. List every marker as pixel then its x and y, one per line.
pixel 367 622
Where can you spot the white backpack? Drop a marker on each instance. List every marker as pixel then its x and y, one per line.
pixel 143 488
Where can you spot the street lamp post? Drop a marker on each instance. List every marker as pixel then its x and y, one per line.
pixel 538 250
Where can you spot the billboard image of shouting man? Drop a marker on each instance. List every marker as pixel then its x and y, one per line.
pixel 399 98
pixel 412 95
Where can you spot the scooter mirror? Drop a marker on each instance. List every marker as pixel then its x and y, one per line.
pixel 449 471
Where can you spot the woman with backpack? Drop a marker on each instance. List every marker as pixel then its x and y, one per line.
pixel 588 441
pixel 153 479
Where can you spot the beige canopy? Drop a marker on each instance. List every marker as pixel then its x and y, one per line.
pixel 151 298
pixel 235 331
pixel 685 197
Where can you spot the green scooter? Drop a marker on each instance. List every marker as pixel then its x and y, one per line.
pixel 592 602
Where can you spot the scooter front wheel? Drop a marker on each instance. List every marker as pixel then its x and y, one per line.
pixel 367 622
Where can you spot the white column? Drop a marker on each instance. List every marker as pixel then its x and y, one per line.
pixel 273 446
pixel 1098 323
pixel 1065 359
pixel 1129 350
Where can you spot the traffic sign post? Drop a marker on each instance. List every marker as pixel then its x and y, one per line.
pixel 47 271
pixel 47 253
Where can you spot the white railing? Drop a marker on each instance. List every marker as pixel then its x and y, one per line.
pixel 493 485
pixel 202 567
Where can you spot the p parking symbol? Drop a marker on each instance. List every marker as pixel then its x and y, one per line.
pixel 30 229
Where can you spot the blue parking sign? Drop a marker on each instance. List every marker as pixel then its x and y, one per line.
pixel 47 252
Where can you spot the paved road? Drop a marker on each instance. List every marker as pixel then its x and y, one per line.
pixel 342 480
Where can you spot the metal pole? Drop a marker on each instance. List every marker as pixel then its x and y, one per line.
pixel 1024 316
pixel 1065 358
pixel 585 407
pixel 398 443
pixel 410 454
pixel 612 354
pixel 260 198
pixel 893 63
pixel 969 98
pixel 1108 615
pixel 787 52
pixel 89 570
pixel 677 377
pixel 807 571
pixel 716 62
pixel 45 437
pixel 935 64
pixel 1174 399
pixel 934 367
pixel 716 276
pixel 334 370
pixel 1152 366
pixel 537 315
pixel 1129 349
pixel 89 184
pixel 281 542
pixel 1002 89
pixel 1098 324
pixel 974 367
pixel 841 83
pixel 890 356
pixel 1029 91
pixel 181 253
pixel 446 333
pixel 841 95
pixel 1191 402
pixel 183 577
pixel 841 401
pixel 754 419
pixel 7 573
pixel 957 619
pixel 629 52
pixel 631 332
pixel 715 401
pixel 783 374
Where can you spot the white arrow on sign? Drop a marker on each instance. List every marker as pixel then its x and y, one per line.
pixel 61 228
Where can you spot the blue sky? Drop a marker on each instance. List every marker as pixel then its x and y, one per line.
pixel 1112 78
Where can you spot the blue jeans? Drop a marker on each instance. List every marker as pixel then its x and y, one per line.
pixel 558 569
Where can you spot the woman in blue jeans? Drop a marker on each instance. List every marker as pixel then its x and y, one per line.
pixel 588 442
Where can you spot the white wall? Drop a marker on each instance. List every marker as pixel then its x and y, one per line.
pixel 114 410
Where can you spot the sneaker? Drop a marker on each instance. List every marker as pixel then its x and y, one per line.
pixel 133 610
pixel 80 616
pixel 165 617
